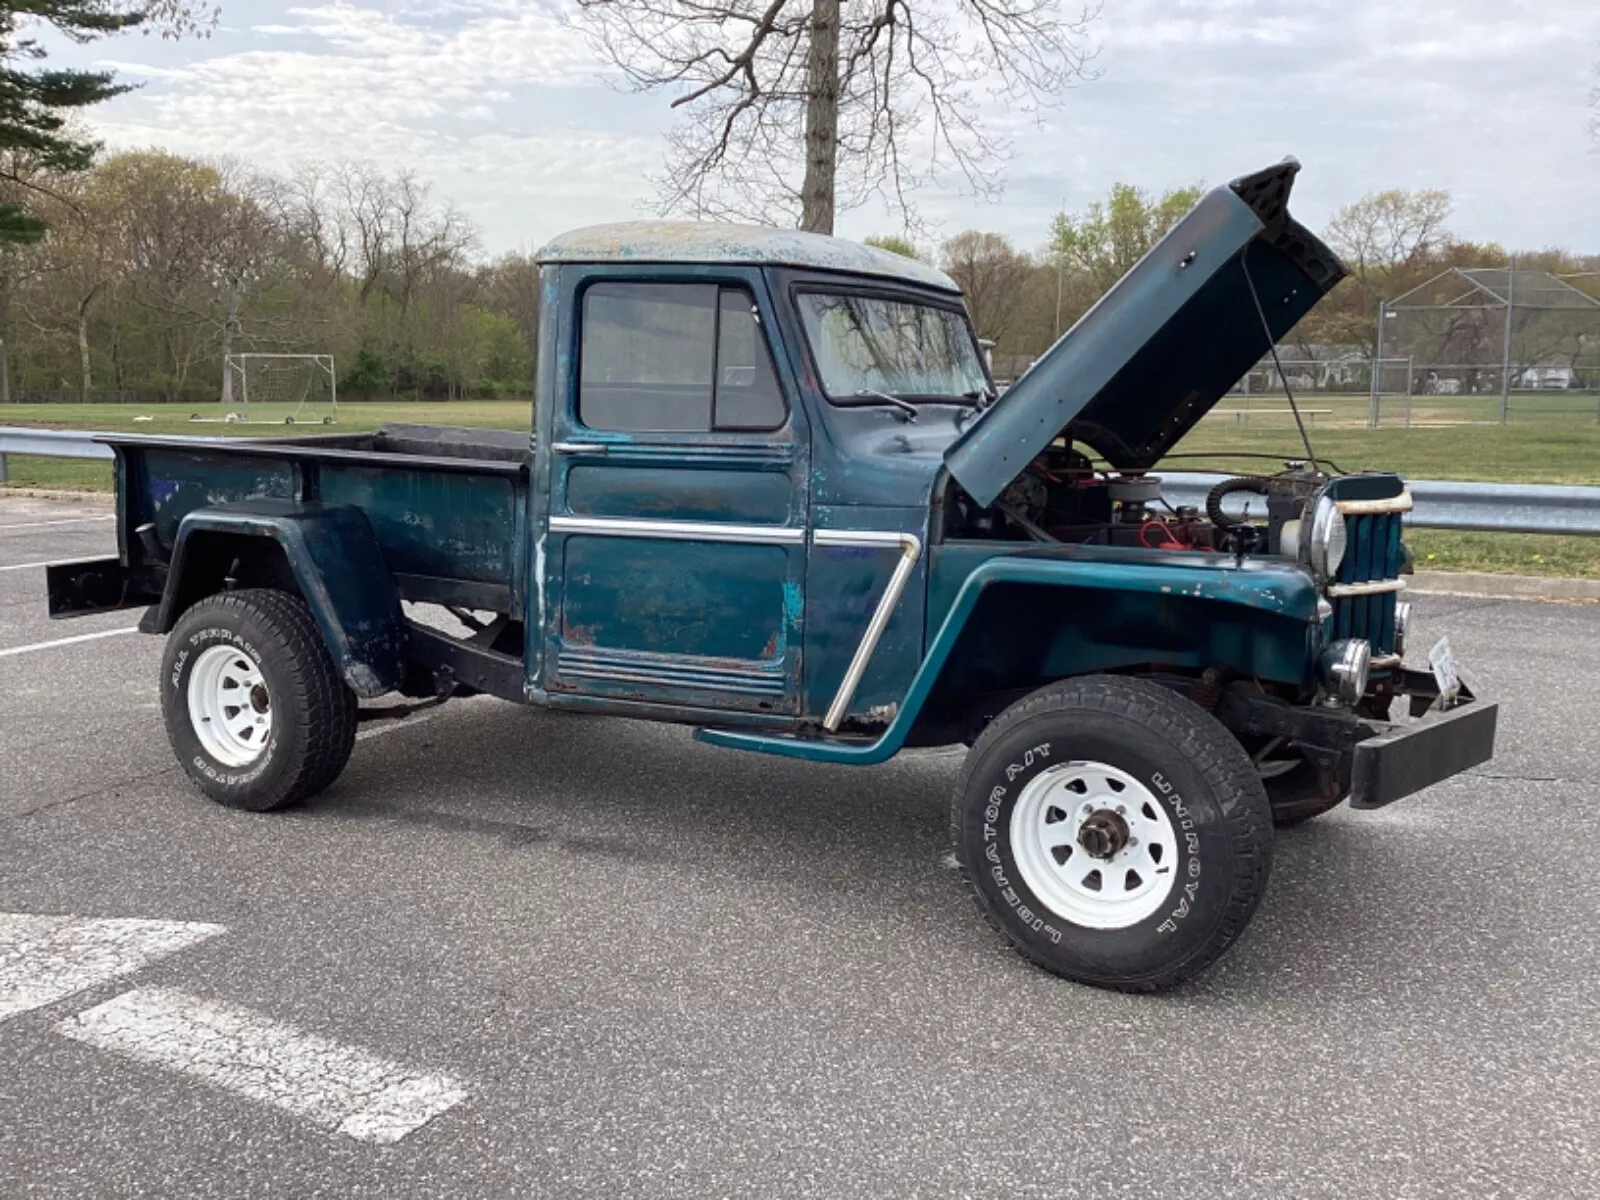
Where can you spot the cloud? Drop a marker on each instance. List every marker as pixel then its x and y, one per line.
pixel 501 104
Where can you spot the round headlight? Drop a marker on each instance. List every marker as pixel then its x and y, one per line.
pixel 1327 541
pixel 1345 666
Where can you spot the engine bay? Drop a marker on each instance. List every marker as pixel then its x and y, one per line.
pixel 1062 497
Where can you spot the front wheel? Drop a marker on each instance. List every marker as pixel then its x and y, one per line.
pixel 255 709
pixel 1113 832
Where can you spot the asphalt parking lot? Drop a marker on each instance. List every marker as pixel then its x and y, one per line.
pixel 638 966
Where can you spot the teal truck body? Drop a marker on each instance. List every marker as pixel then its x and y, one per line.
pixel 770 491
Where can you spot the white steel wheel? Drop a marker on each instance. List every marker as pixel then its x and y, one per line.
pixel 230 708
pixel 1094 845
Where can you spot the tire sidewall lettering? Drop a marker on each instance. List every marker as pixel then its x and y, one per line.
pixel 183 656
pixel 1197 818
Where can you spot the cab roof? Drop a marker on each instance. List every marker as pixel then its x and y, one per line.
pixel 749 245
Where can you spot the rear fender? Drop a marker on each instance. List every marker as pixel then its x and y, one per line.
pixel 329 554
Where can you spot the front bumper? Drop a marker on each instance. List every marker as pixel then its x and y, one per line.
pixel 1366 755
pixel 1407 758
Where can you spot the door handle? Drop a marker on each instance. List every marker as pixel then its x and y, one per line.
pixel 580 448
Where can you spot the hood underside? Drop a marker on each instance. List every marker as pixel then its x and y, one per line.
pixel 1166 343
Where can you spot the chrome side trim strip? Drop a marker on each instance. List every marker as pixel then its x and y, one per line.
pixel 1394 504
pixel 679 531
pixel 1338 591
pixel 860 537
pixel 910 550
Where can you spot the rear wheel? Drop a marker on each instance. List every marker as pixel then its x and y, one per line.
pixel 255 709
pixel 1115 833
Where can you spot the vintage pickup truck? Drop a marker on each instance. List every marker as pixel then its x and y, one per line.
pixel 771 492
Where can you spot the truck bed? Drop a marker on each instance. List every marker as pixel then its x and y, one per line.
pixel 448 504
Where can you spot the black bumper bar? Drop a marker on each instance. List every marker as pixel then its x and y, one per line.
pixel 1407 758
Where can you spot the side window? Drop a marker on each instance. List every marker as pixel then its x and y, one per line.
pixel 649 350
pixel 747 387
pixel 674 357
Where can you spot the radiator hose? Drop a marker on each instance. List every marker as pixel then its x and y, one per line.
pixel 1254 484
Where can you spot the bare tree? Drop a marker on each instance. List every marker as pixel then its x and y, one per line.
pixel 1384 231
pixel 991 273
pixel 1390 241
pixel 799 109
pixel 511 286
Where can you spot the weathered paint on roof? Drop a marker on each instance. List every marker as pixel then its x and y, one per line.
pixel 702 242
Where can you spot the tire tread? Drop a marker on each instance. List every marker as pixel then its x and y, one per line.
pixel 328 706
pixel 1215 754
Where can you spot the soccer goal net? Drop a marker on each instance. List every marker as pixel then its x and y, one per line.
pixel 281 389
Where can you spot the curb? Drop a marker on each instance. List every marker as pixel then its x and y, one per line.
pixel 33 493
pixel 1503 587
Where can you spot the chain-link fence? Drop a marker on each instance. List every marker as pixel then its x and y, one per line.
pixel 1472 346
pixel 1490 345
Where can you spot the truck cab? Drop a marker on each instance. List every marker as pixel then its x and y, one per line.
pixel 772 491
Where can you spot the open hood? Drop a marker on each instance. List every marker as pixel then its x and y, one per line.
pixel 1163 345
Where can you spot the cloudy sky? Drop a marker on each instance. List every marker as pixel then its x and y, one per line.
pixel 500 104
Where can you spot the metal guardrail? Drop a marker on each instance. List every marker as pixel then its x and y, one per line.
pixel 1443 504
pixel 52 443
pixel 1495 507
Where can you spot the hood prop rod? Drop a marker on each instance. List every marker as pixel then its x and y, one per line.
pixel 1272 345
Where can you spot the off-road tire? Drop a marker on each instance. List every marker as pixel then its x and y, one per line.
pixel 1194 767
pixel 313 712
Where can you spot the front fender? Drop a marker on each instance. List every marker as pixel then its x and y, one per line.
pixel 1257 617
pixel 339 567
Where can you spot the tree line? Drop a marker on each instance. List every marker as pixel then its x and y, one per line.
pixel 1392 241
pixel 153 268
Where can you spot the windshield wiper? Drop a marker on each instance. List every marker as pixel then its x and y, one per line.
pixel 909 409
pixel 981 397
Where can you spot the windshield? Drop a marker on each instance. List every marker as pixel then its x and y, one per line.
pixel 874 344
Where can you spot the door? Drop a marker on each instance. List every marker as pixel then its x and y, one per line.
pixel 678 492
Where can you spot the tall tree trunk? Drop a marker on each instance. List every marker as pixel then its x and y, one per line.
pixel 83 349
pixel 822 119
pixel 5 338
pixel 229 328
pixel 169 364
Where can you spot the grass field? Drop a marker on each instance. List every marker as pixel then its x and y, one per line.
pixel 1518 453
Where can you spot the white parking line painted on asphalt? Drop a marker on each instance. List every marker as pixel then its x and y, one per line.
pixel 48 524
pixel 48 958
pixel 373 731
pixel 54 562
pixel 66 641
pixel 335 1086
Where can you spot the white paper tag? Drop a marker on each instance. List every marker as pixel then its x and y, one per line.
pixel 1443 661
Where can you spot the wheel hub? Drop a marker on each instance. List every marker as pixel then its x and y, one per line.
pixel 1094 844
pixel 1103 834
pixel 230 708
